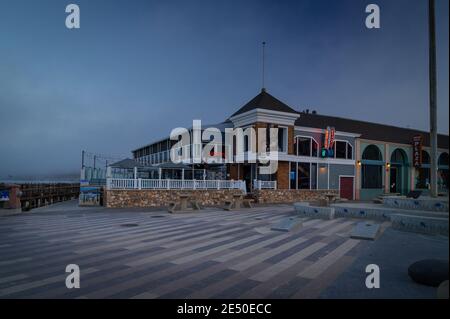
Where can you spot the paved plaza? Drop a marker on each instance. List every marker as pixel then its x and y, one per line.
pixel 148 253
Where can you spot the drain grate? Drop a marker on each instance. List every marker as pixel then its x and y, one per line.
pixel 157 216
pixel 129 225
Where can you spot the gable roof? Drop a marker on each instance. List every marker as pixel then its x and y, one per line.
pixel 265 101
pixel 368 130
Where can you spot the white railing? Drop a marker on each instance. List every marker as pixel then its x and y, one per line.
pixel 122 183
pixel 264 184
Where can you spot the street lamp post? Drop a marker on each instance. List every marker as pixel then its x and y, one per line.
pixel 433 97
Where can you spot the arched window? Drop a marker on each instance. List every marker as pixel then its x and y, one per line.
pixel 372 152
pixel 399 157
pixel 372 172
pixel 425 157
pixel 443 159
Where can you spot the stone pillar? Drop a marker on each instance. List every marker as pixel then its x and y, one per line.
pixel 14 196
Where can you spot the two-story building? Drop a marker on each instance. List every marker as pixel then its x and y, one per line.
pixel 359 159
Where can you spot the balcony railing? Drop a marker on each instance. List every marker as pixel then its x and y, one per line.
pixel 264 184
pixel 122 183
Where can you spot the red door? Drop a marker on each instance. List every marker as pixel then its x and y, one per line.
pixel 346 187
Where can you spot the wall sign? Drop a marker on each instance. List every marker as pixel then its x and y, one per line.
pixel 4 196
pixel 417 151
pixel 328 143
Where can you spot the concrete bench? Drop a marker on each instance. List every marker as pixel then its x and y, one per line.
pixel 228 205
pixel 248 203
pixel 195 205
pixel 305 210
pixel 172 207
pixel 423 203
pixel 420 224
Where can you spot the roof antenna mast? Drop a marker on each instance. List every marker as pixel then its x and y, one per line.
pixel 263 89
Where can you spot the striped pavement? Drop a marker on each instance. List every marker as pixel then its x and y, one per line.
pixel 140 253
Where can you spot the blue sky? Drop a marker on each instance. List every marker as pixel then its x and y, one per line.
pixel 136 69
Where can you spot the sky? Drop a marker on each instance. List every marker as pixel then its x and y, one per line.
pixel 136 69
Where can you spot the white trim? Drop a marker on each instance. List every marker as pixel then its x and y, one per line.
pixel 328 177
pixel 320 160
pixel 346 146
pixel 354 185
pixel 310 148
pixel 264 116
pixel 322 131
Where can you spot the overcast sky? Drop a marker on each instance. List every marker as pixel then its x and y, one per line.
pixel 136 69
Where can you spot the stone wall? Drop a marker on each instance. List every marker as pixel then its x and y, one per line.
pixel 291 195
pixel 158 198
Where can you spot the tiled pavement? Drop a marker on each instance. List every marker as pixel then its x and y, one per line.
pixel 211 254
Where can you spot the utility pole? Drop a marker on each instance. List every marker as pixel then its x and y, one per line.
pixel 433 97
pixel 263 65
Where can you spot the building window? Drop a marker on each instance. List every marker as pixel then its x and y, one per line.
pixel 306 146
pixel 343 150
pixel 372 153
pixel 293 175
pixel 443 159
pixel 372 176
pixel 282 139
pixel 303 146
pixel 303 176
pixel 349 151
pixel 313 175
pixel 372 168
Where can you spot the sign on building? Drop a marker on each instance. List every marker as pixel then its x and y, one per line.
pixel 417 151
pixel 4 196
pixel 328 143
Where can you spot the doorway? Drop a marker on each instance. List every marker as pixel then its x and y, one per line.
pixel 247 176
pixel 346 187
pixel 394 186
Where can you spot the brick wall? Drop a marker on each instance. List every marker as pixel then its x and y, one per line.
pixel 157 198
pixel 267 196
pixel 283 175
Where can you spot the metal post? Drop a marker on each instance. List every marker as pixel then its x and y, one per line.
pixel 433 98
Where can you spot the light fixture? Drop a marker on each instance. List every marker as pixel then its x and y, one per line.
pixel 359 163
pixel 388 165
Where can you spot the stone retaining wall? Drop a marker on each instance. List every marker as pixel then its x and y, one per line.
pixel 274 196
pixel 158 198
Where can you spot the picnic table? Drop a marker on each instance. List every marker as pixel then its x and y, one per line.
pixel 330 197
pixel 237 202
pixel 184 201
pixel 182 204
